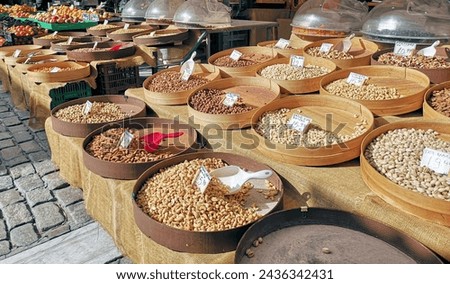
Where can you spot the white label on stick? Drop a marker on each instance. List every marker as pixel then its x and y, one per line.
pixel 55 70
pixel 87 108
pixel 356 79
pixel 94 18
pixel 235 55
pixel 55 33
pixel 16 53
pixel 69 40
pixel 435 160
pixel 186 74
pixel 54 12
pixel 126 26
pixel 282 43
pixel 105 22
pixel 95 45
pixel 297 61
pixel 202 179
pixel 299 122
pixel 230 99
pixel 325 47
pixel 404 48
pixel 125 139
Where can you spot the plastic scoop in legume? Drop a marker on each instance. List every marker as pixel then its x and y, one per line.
pixel 429 51
pixel 234 177
pixel 116 47
pixel 152 140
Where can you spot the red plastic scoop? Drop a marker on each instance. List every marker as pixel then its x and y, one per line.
pixel 116 47
pixel 152 140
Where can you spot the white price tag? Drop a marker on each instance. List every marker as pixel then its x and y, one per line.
pixel 297 61
pixel 153 33
pixel 91 9
pixel 87 108
pixel 282 43
pixel 95 45
pixel 435 160
pixel 235 55
pixel 71 6
pixel 94 18
pixel 126 26
pixel 105 22
pixel 55 33
pixel 54 12
pixel 69 40
pixel 86 17
pixel 356 79
pixel 404 48
pixel 125 139
pixel 202 179
pixel 299 122
pixel 55 69
pixel 230 99
pixel 325 47
pixel 186 74
pixel 17 53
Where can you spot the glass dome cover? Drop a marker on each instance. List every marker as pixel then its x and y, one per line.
pixel 418 21
pixel 136 9
pixel 333 15
pixel 203 13
pixel 163 9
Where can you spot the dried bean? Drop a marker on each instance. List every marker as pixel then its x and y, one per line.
pixel 100 112
pixel 170 82
pixel 128 31
pixel 211 101
pixel 414 61
pixel 244 60
pixel 288 72
pixel 365 92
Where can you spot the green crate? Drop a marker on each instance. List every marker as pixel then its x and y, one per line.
pixel 69 92
pixel 67 26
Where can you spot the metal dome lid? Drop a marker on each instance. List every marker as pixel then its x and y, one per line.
pixel 163 9
pixel 202 13
pixel 135 9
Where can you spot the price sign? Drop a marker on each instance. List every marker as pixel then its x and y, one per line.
pixel 91 9
pixel 69 40
pixel 435 160
pixel 186 74
pixel 404 48
pixel 86 17
pixel 16 53
pixel 105 22
pixel 54 12
pixel 95 45
pixel 126 26
pixel 356 79
pixel 55 33
pixel 299 122
pixel 297 61
pixel 230 99
pixel 94 18
pixel 87 108
pixel 125 139
pixel 325 47
pixel 282 43
pixel 235 55
pixel 55 70
pixel 202 179
pixel 71 6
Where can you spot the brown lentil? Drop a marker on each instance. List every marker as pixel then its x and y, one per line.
pixel 288 72
pixel 211 101
pixel 170 82
pixel 414 61
pixel 333 54
pixel 100 112
pixel 440 101
pixel 365 92
pixel 245 60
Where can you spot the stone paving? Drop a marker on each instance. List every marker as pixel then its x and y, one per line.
pixel 36 204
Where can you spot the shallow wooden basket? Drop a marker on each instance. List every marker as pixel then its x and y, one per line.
pixel 9 50
pixel 361 52
pixel 128 36
pixel 428 111
pixel 207 71
pixel 201 241
pixel 429 208
pixel 246 70
pixel 300 86
pixel 161 37
pixel 11 60
pixel 311 34
pixel 44 58
pixel 330 113
pixel 436 76
pixel 62 46
pixel 102 32
pixel 133 107
pixel 80 36
pixel 127 49
pixel 82 70
pixel 287 52
pixel 44 41
pixel 256 92
pixel 410 83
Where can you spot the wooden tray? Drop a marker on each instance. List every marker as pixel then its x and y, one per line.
pixel 282 52
pixel 436 76
pixel 127 171
pixel 361 55
pixel 429 208
pixel 132 106
pixel 242 71
pixel 11 60
pixel 412 84
pixel 254 91
pixel 45 58
pixel 127 49
pixel 300 86
pixel 9 50
pixel 329 112
pixel 428 110
pixel 195 241
pixel 162 37
pixel 207 71
pixel 82 71
pixel 129 36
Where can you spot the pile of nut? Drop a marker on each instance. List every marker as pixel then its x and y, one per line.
pixel 440 101
pixel 170 197
pixel 103 27
pixel 99 113
pixel 365 92
pixel 332 54
pixel 211 101
pixel 65 43
pixel 273 125
pixel 91 49
pixel 272 45
pixel 49 69
pixel 247 59
pixel 105 146
pixel 288 72
pixel 414 61
pixel 170 82
pixel 128 31
pixel 150 35
pixel 397 153
pixel 53 36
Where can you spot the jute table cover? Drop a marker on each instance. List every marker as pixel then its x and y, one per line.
pixel 339 187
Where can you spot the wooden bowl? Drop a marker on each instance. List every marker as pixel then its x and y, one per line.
pixel 161 37
pixel 82 70
pixel 330 113
pixel 11 60
pixel 287 52
pixel 361 49
pixel 411 84
pixel 102 32
pixel 242 71
pixel 207 71
pixel 202 241
pixel 256 92
pixel 429 208
pixel 299 86
pixel 428 111
pixel 62 46
pixel 9 50
pixel 127 49
pixel 38 58
pixel 129 35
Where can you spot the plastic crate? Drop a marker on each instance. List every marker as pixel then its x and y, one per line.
pixel 69 92
pixel 115 81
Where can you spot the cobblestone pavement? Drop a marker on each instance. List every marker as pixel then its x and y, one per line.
pixel 36 204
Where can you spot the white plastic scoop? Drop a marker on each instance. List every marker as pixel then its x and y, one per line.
pixel 234 177
pixel 347 43
pixel 189 64
pixel 429 51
